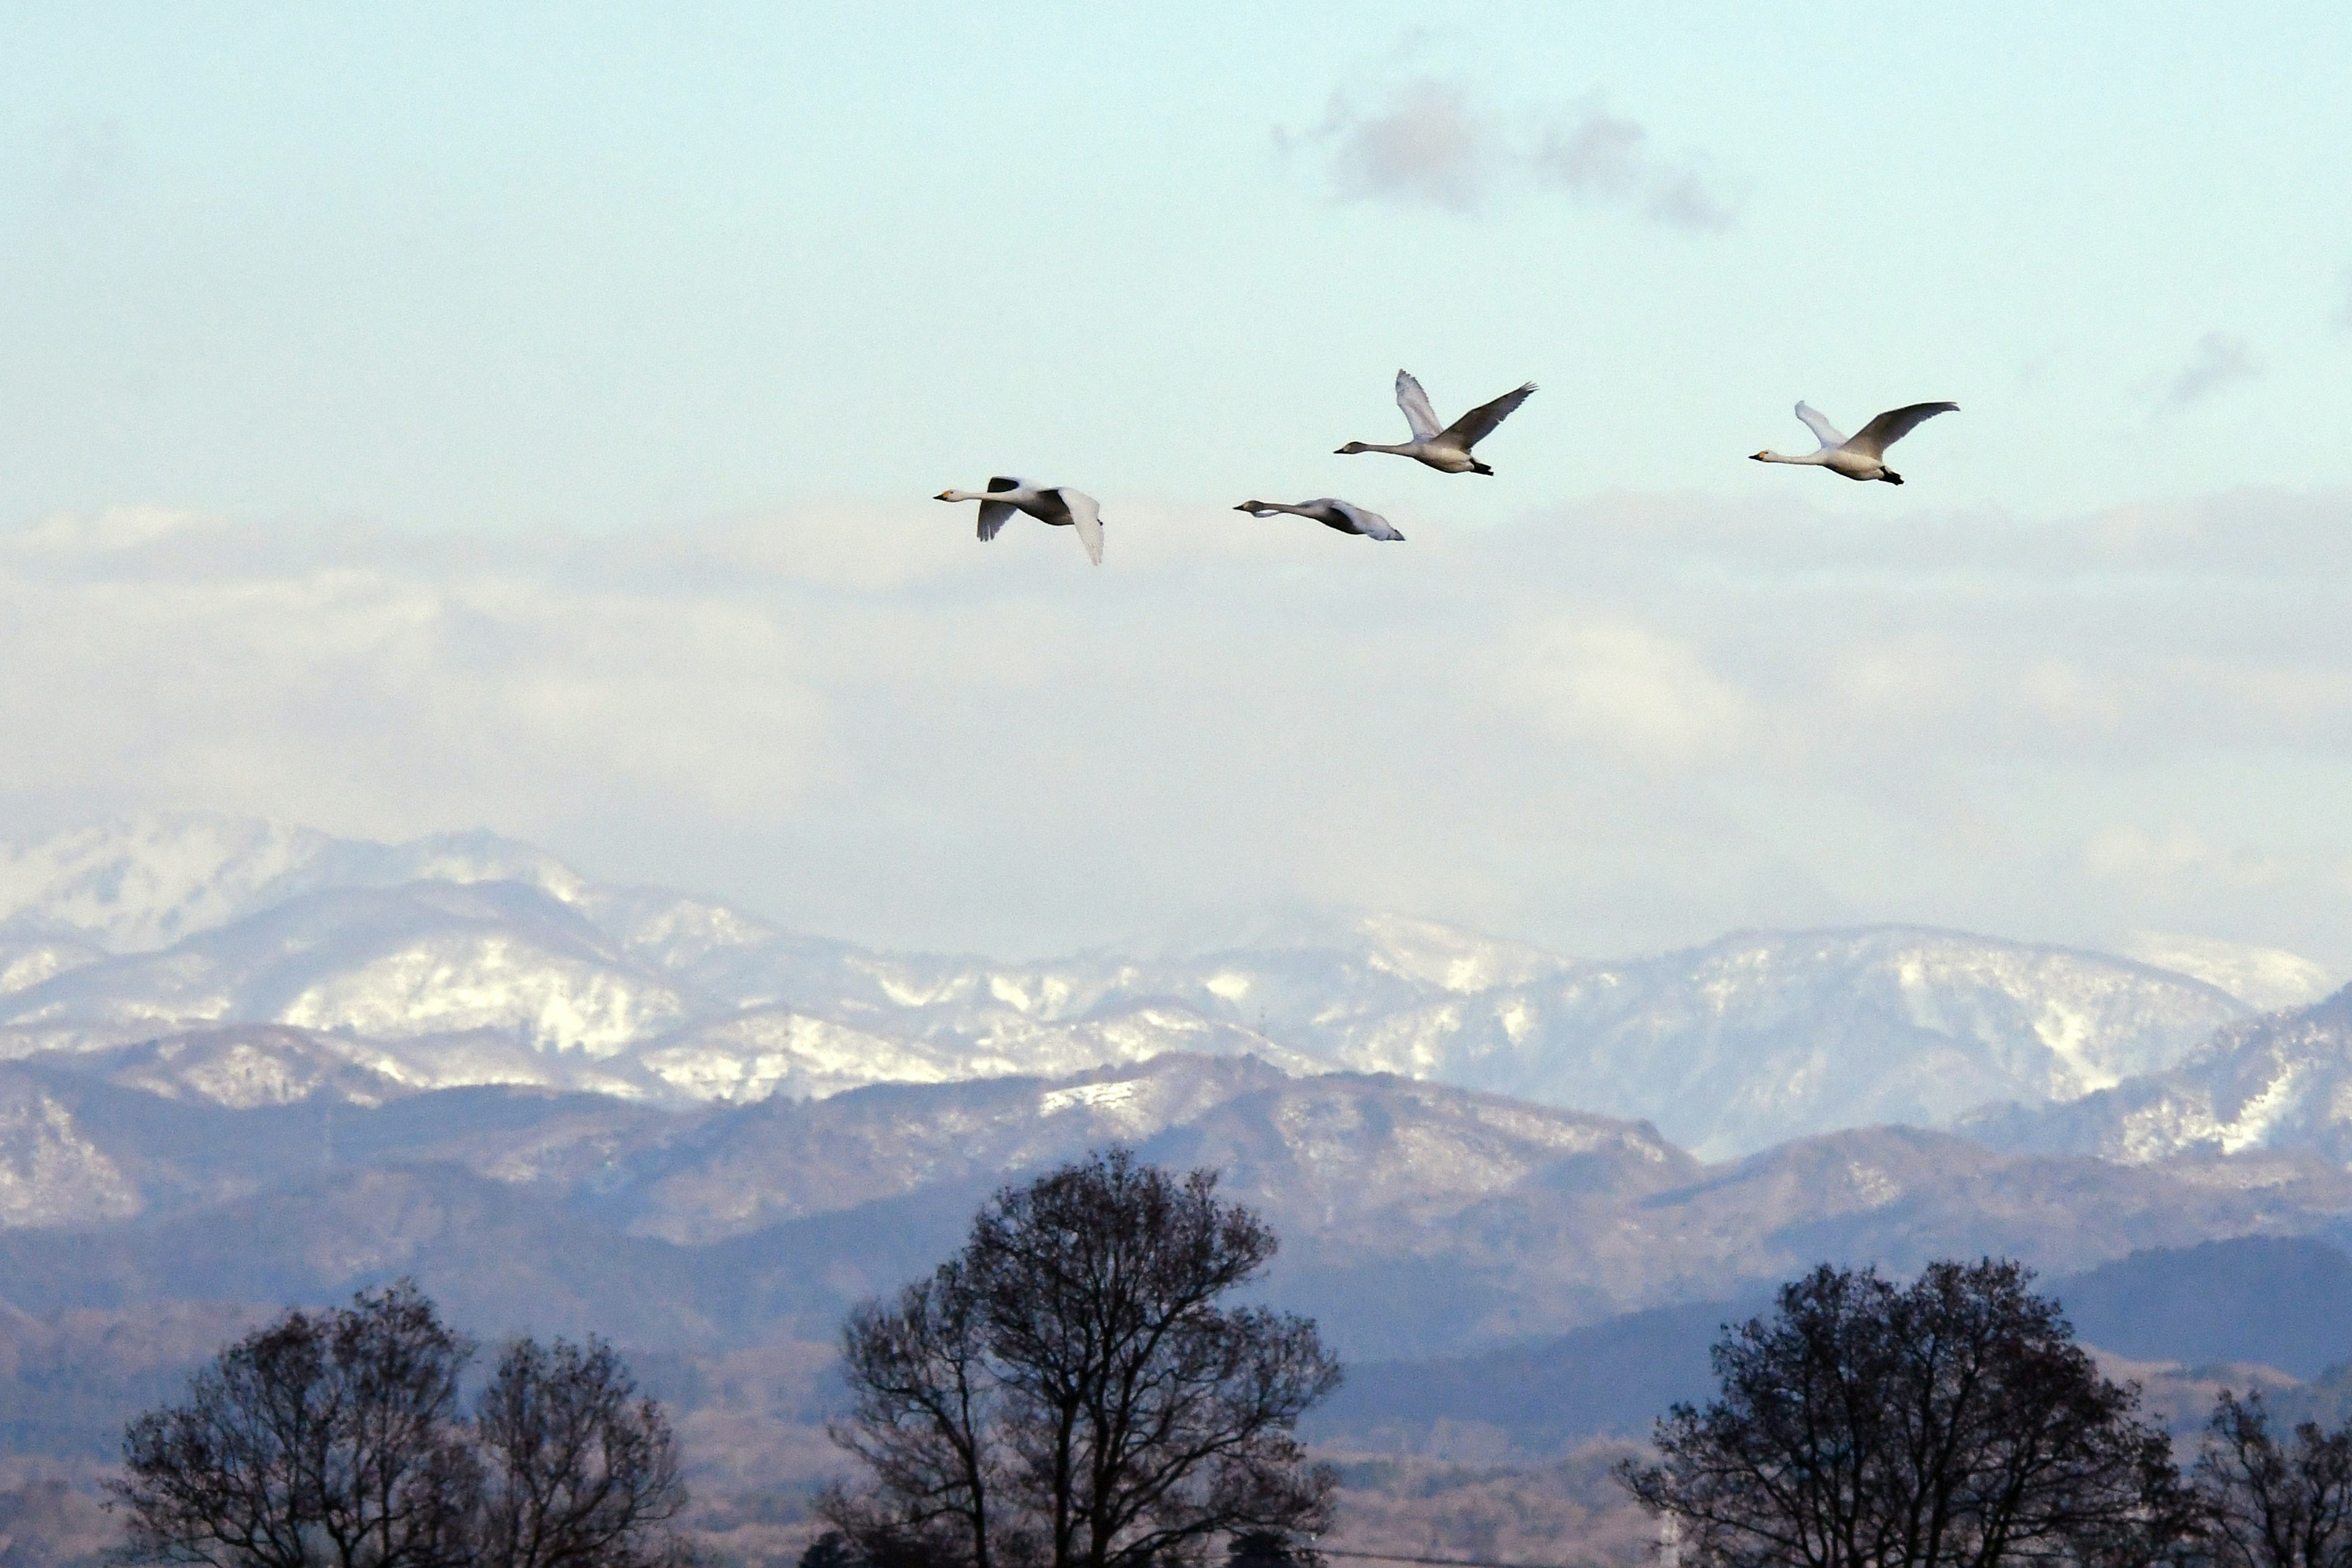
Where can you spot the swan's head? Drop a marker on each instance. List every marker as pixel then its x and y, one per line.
pixel 1763 457
pixel 1350 449
pixel 945 495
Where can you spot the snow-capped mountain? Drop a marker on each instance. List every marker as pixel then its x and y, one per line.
pixel 2281 1081
pixel 468 958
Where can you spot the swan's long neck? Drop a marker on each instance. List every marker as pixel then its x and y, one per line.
pixel 1261 507
pixel 1813 459
pixel 979 495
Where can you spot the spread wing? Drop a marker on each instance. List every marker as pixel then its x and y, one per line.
pixel 1891 426
pixel 995 514
pixel 1371 524
pixel 1479 423
pixel 1082 512
pixel 1415 404
pixel 1826 433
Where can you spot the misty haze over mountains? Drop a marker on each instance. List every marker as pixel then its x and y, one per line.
pixel 243 1064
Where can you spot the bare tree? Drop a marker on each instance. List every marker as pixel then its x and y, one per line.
pixel 336 1438
pixel 1952 1422
pixel 322 1438
pixel 577 1466
pixel 1068 1391
pixel 2268 1505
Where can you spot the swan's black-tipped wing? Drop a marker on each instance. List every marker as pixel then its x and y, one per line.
pixel 1479 423
pixel 1874 438
pixel 995 514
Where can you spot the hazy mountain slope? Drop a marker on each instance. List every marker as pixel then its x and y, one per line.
pixel 51 1172
pixel 496 1254
pixel 1615 1378
pixel 461 938
pixel 142 882
pixel 2264 978
pixel 87 1148
pixel 782 1160
pixel 427 958
pixel 2276 1302
pixel 28 961
pixel 1761 1037
pixel 2281 1302
pixel 2280 1082
pixel 1415 1216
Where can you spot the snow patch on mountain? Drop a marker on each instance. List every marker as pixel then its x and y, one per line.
pixel 142 882
pixel 2282 1081
pixel 2264 978
pixel 767 1051
pixel 451 984
pixel 25 964
pixel 49 1174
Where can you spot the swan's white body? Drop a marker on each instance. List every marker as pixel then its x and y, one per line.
pixel 1056 504
pixel 1863 456
pixel 1332 512
pixel 1447 450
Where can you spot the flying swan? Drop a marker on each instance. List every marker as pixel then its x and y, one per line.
pixel 1054 504
pixel 1332 512
pixel 1447 450
pixel 1865 455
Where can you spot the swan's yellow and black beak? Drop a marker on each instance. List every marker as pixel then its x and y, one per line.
pixel 1755 457
pixel 941 496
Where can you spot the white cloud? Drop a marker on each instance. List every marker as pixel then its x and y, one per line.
pixel 1619 725
pixel 1619 684
pixel 2220 361
pixel 1427 145
pixel 1430 143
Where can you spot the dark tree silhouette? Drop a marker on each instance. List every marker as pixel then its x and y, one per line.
pixel 1068 1391
pixel 1951 1422
pixel 2272 1505
pixel 1269 1549
pixel 577 1466
pixel 336 1438
pixel 327 1437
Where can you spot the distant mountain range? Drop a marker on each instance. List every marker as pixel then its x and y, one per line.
pixel 2282 1080
pixel 243 1065
pixel 1417 1218
pixel 467 959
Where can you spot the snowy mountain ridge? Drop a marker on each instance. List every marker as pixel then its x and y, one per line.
pixel 469 958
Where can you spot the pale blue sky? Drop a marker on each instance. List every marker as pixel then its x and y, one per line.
pixel 525 416
pixel 468 267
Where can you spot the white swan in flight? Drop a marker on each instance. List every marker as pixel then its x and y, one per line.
pixel 1447 450
pixel 1056 504
pixel 1865 455
pixel 1332 512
